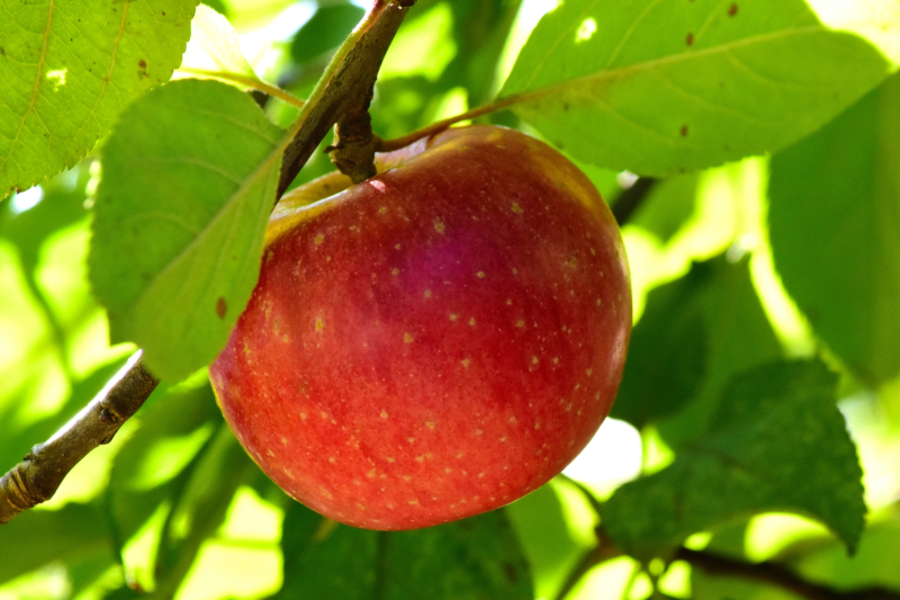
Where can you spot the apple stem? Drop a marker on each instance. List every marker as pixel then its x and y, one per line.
pixel 353 151
pixel 346 85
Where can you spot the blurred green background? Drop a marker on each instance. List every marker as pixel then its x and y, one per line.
pixel 175 507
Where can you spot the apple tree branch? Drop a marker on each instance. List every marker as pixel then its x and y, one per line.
pixel 766 572
pixel 39 475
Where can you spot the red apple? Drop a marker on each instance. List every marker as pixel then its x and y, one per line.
pixel 434 342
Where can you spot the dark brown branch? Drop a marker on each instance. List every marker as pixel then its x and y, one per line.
pixel 775 574
pixel 39 475
pixel 769 573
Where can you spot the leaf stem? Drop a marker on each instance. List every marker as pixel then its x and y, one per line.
pixel 247 82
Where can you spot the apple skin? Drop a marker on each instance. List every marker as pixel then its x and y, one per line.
pixel 434 342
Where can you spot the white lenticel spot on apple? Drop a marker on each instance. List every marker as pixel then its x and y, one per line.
pixel 439 226
pixel 371 473
pixel 516 208
pixel 480 274
pixel 420 459
pixel 408 338
pixel 459 455
pixel 407 478
pixel 472 321
pixel 395 271
pixel 320 324
pixel 535 360
pixel 466 362
pixel 512 419
pixel 503 439
pixel 319 239
pixel 520 324
pixel 332 460
pixel 537 425
pixel 478 432
pixel 430 424
pixel 427 293
pixel 384 414
pixel 390 459
pixel 448 470
pixel 454 317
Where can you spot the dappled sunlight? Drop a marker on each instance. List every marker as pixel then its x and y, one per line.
pixel 613 457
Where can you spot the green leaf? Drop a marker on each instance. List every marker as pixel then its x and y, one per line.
pixel 776 443
pixel 695 335
pixel 835 229
pixel 667 356
pixel 172 428
pixel 214 49
pixel 39 537
pixel 546 537
pixel 188 182
pixel 664 87
pixel 200 506
pixel 473 558
pixel 68 69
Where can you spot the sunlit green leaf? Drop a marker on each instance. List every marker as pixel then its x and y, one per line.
pixel 68 69
pixel 200 506
pixel 173 426
pixel 540 523
pixel 776 443
pixel 664 87
pixel 835 228
pixel 472 558
pixel 214 49
pixel 188 182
